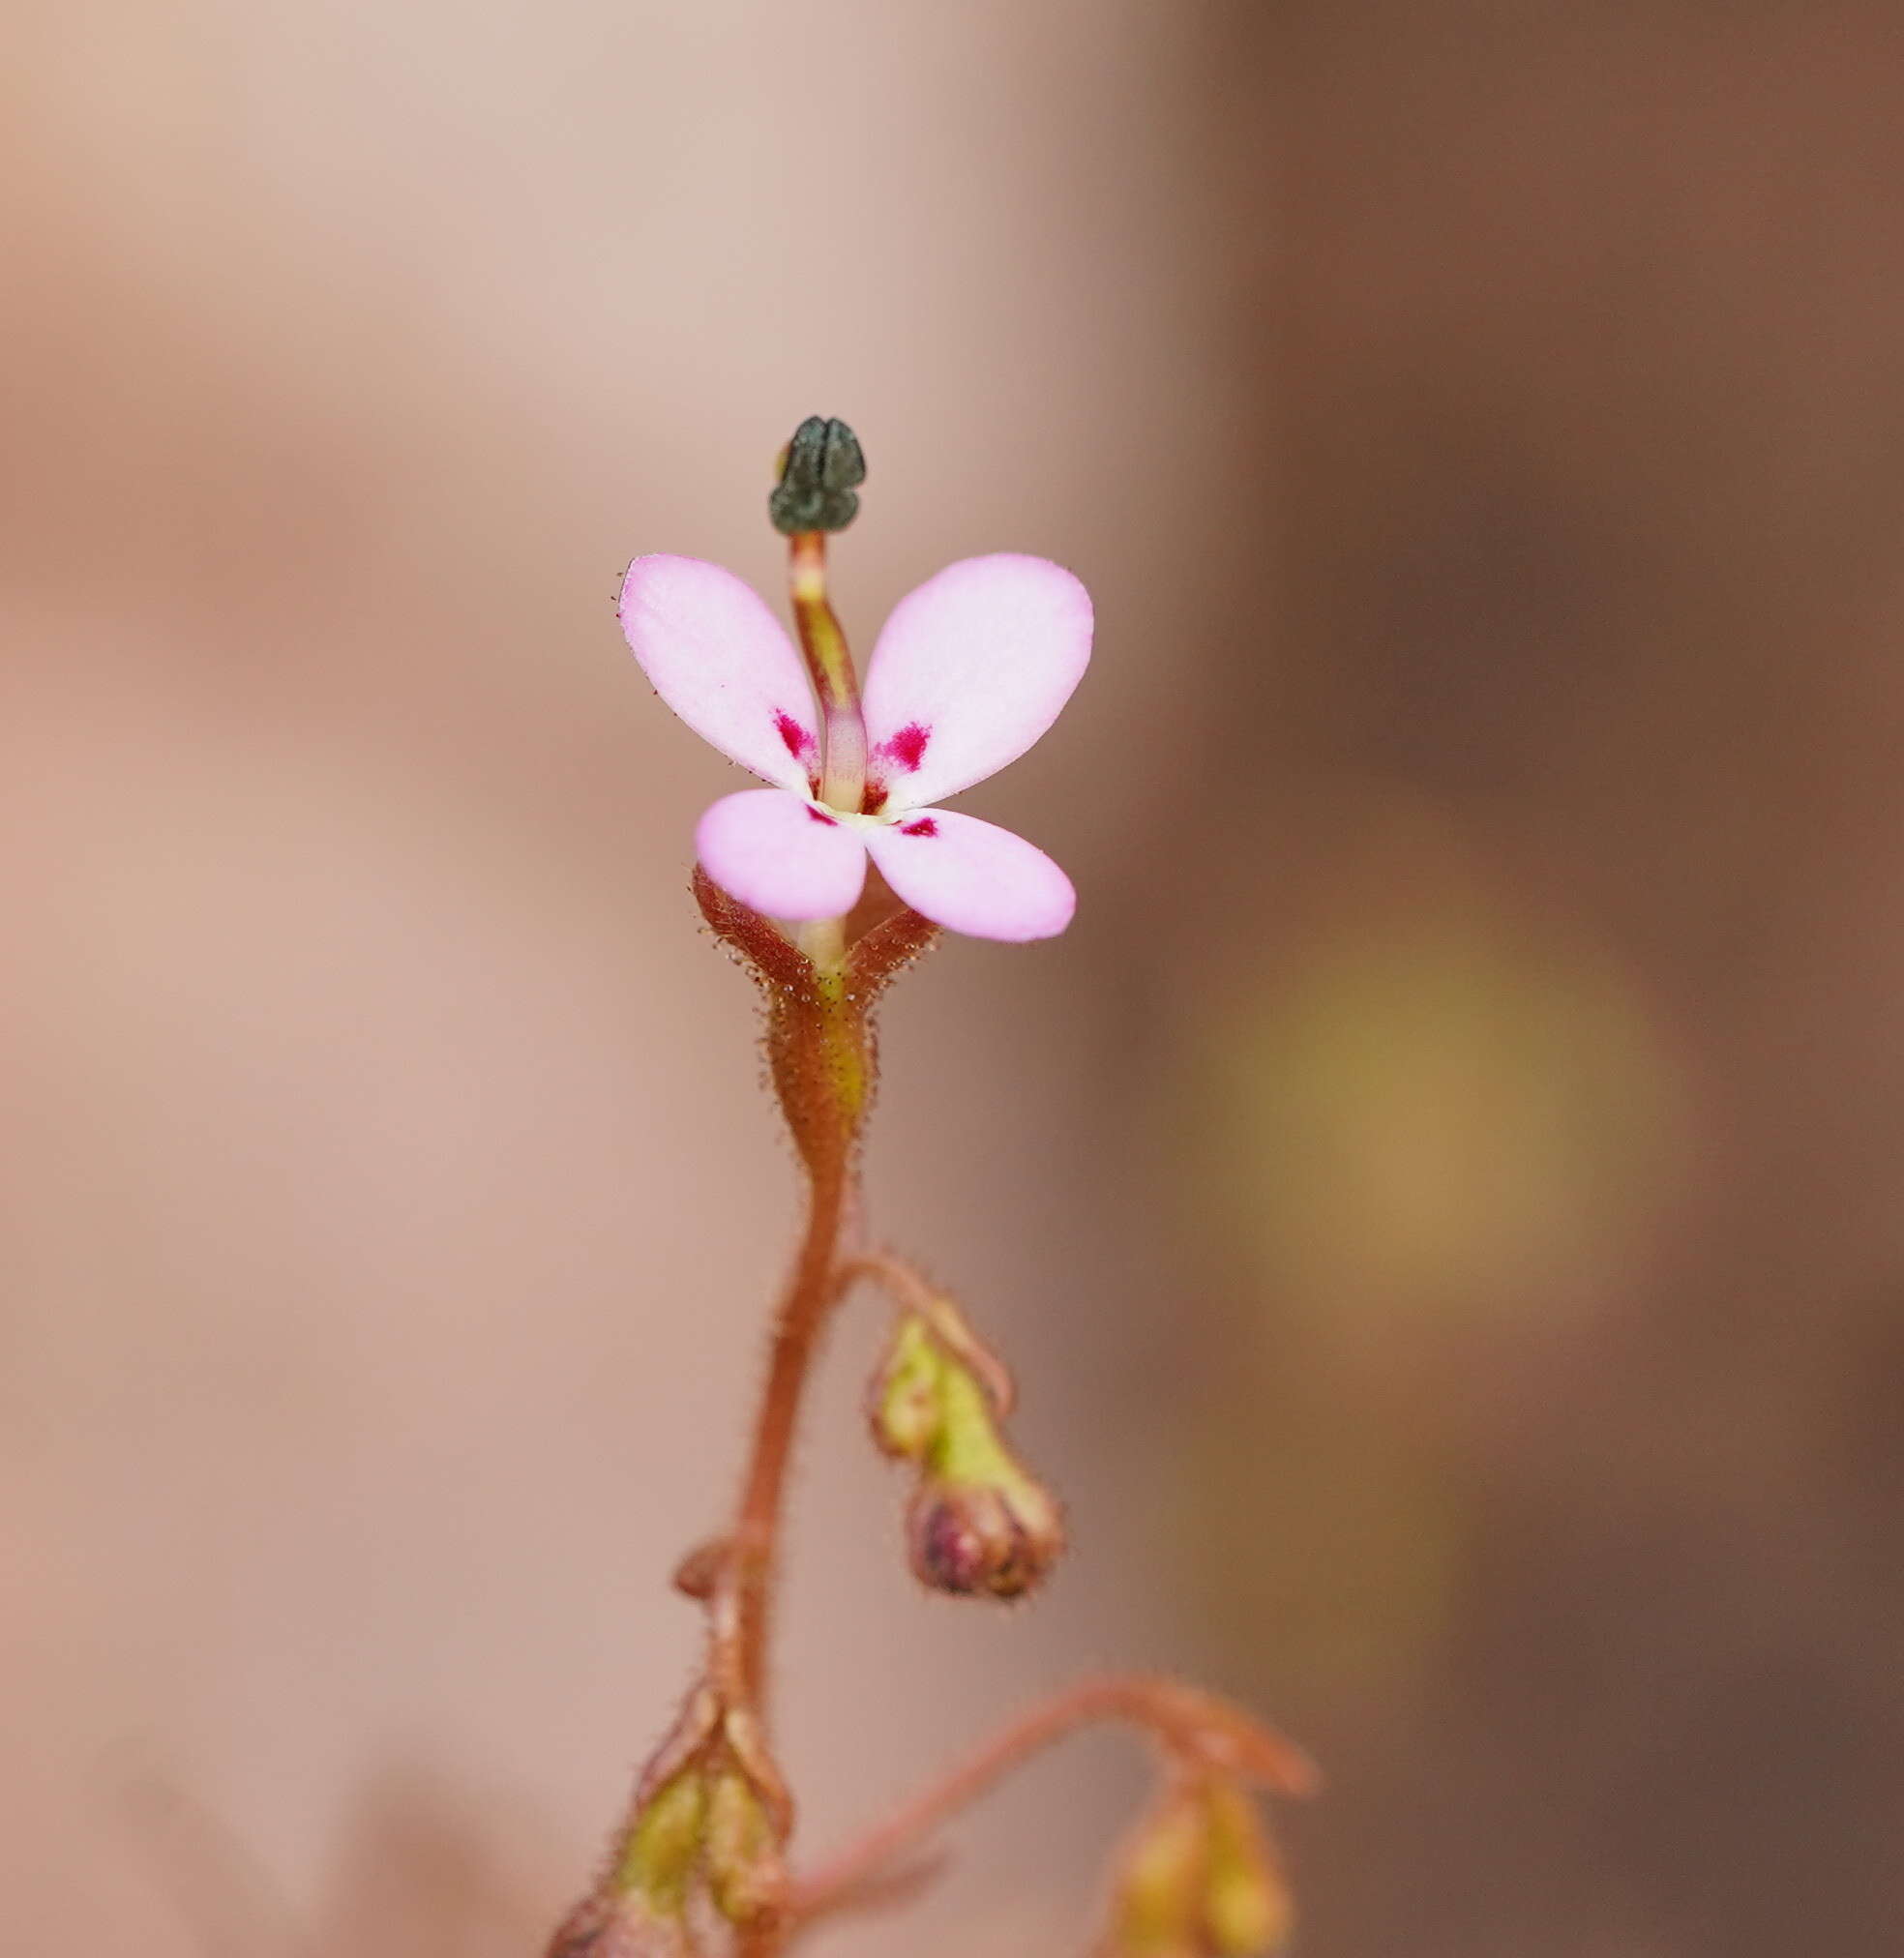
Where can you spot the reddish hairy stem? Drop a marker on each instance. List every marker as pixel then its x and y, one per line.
pixel 798 1323
pixel 820 1055
pixel 1195 1728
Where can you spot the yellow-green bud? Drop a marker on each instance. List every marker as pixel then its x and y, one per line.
pixel 1157 1910
pixel 745 1874
pixel 1200 1880
pixel 1247 1907
pixel 659 1855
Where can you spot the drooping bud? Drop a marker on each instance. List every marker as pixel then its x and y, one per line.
pixel 979 1523
pixel 820 470
pixel 1156 1911
pixel 1200 1879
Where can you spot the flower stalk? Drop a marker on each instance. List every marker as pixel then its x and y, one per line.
pixel 821 1060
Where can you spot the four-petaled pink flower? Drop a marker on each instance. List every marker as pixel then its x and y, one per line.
pixel 968 671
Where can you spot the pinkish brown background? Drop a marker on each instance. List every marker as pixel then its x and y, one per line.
pixel 1443 1197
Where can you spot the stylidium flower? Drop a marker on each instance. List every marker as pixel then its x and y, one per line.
pixel 968 671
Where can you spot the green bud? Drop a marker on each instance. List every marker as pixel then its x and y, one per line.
pixel 662 1849
pixel 1247 1908
pixel 979 1523
pixel 1200 1880
pixel 745 1874
pixel 1157 1910
pixel 820 470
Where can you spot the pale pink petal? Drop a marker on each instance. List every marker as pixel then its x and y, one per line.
pixel 970 670
pixel 973 877
pixel 780 854
pixel 719 658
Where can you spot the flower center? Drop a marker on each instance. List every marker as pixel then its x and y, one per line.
pixel 848 818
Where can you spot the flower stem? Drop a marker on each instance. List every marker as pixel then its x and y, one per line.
pixel 1188 1725
pixel 798 1323
pixel 821 1059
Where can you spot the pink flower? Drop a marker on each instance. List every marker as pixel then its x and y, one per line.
pixel 970 670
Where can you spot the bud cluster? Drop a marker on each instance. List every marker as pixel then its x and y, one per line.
pixel 979 1523
pixel 706 1833
pixel 1200 1879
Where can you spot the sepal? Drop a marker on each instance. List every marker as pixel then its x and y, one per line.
pixel 822 1055
pixel 621 1927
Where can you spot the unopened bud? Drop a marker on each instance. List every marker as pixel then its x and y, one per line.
pixel 820 470
pixel 1157 1910
pixel 710 1817
pixel 1200 1880
pixel 1248 1908
pixel 662 1849
pixel 746 1875
pixel 997 1540
pixel 979 1523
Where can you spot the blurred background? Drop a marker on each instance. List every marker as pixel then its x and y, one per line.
pixel 1441 1196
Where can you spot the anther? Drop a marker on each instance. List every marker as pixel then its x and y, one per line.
pixel 820 470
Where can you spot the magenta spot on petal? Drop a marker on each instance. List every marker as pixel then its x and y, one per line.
pixel 907 747
pixel 924 827
pixel 821 815
pixel 796 737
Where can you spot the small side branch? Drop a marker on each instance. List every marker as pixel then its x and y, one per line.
pixel 1191 1728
